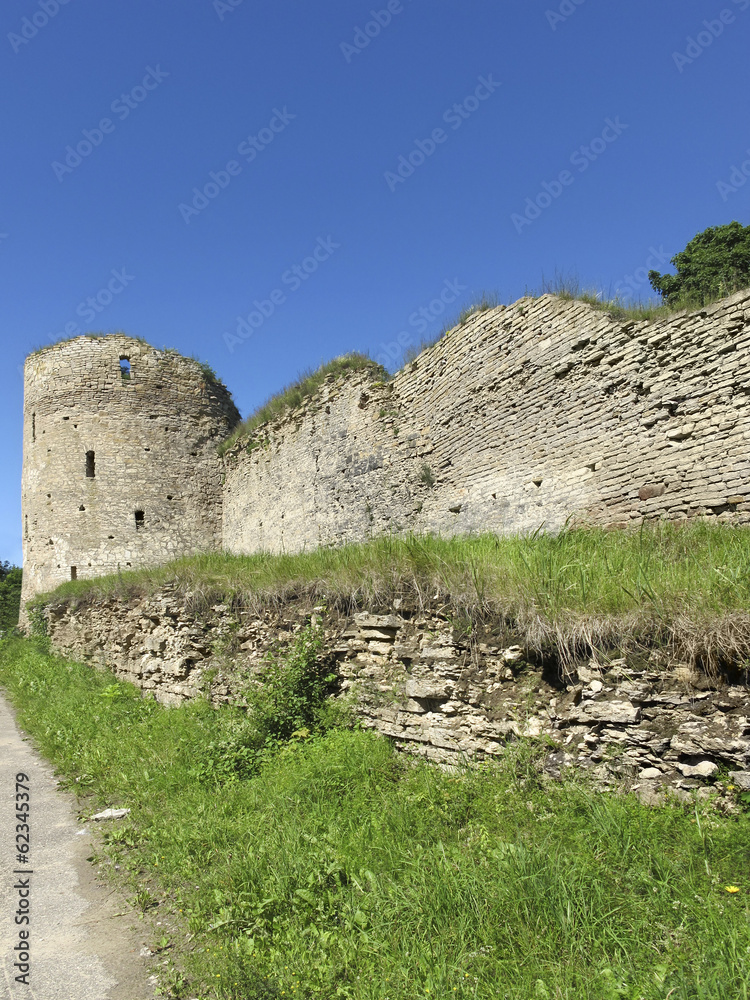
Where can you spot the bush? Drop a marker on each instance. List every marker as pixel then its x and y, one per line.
pixel 715 263
pixel 286 705
pixel 10 596
pixel 291 696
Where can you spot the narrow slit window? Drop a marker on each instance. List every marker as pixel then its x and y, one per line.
pixel 73 573
pixel 33 426
pixel 90 465
pixel 125 369
pixel 26 525
pixel 140 520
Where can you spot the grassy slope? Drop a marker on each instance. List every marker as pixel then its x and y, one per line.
pixel 305 387
pixel 688 585
pixel 340 870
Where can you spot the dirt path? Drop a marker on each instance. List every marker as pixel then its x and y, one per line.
pixel 82 946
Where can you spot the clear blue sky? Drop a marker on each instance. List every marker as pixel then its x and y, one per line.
pixel 489 100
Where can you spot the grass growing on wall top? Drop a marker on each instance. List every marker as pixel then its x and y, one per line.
pixel 569 289
pixel 91 335
pixel 487 300
pixel 208 372
pixel 687 585
pixel 304 387
pixel 339 869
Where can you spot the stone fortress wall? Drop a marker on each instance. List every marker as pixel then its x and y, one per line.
pixel 529 415
pixel 120 462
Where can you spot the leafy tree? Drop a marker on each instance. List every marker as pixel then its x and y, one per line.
pixel 716 262
pixel 10 596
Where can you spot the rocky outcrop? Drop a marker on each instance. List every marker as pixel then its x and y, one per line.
pixel 437 692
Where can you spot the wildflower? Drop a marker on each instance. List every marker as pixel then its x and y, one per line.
pixel 731 888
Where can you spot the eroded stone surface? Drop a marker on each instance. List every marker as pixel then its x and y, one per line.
pixel 539 413
pixel 528 414
pixel 118 472
pixel 435 692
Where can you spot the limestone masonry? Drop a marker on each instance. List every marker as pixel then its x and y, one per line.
pixel 120 466
pixel 527 415
pixel 654 720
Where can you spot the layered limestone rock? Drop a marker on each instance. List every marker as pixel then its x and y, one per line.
pixel 435 692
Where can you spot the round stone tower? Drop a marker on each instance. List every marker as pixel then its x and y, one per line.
pixel 120 467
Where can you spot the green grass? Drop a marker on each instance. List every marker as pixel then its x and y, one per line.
pixel 92 335
pixel 569 289
pixel 487 300
pixel 625 310
pixel 687 586
pixel 339 869
pixel 305 386
pixel 208 372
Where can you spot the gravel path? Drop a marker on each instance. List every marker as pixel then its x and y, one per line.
pixel 82 946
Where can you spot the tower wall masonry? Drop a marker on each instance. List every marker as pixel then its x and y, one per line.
pixel 120 463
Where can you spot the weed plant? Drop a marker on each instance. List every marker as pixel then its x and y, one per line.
pixel 335 867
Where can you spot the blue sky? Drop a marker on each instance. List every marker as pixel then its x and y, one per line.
pixel 367 159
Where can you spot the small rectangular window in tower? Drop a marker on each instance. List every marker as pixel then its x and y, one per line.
pixel 90 465
pixel 139 520
pixel 125 369
pixel 33 426
pixel 73 573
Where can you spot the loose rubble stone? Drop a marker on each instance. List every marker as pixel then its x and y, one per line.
pixel 111 814
pixel 706 769
pixel 650 772
pixel 617 712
